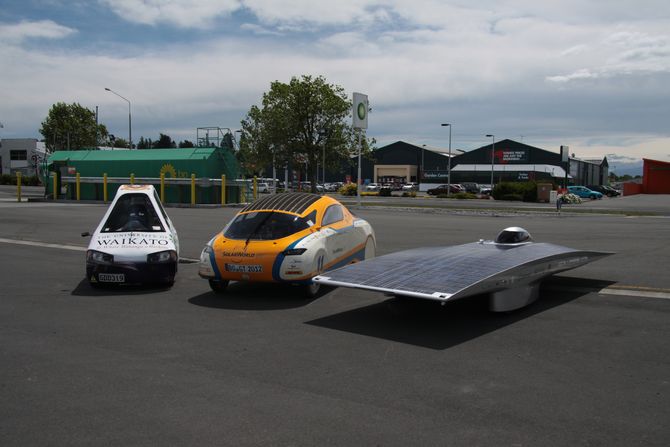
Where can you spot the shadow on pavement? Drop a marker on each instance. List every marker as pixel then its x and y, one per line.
pixel 431 325
pixel 249 296
pixel 84 288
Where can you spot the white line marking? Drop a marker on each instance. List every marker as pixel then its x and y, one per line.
pixel 73 248
pixel 43 244
pixel 665 295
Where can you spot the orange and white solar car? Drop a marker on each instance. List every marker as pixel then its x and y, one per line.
pixel 286 238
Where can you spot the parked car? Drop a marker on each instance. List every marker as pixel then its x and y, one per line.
pixel 135 242
pixel 604 189
pixel 584 192
pixel 471 187
pixel 411 186
pixel 263 188
pixel 442 189
pixel 373 187
pixel 286 238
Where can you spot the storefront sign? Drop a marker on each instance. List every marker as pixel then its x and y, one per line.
pixel 506 156
pixel 434 174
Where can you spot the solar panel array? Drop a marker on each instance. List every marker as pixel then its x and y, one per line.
pixel 446 270
pixel 296 202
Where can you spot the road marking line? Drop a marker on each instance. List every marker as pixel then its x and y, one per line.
pixel 643 292
pixel 73 248
pixel 43 244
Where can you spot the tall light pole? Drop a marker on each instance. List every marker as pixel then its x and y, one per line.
pixel 323 134
pixel 449 161
pixel 493 151
pixel 130 126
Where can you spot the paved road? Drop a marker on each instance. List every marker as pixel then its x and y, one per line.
pixel 181 366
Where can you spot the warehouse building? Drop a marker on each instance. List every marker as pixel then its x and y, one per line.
pixel 508 160
pixel 656 177
pixel 24 155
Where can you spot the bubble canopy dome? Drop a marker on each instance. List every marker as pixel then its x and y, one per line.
pixel 513 235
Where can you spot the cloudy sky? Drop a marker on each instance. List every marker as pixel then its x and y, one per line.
pixel 593 75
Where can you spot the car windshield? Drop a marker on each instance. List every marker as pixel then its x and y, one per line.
pixel 267 225
pixel 133 212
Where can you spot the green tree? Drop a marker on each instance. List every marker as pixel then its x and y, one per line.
pixel 186 143
pixel 72 127
pixel 295 123
pixel 144 143
pixel 164 142
pixel 120 142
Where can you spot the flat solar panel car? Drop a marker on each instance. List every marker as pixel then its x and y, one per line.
pixel 508 269
pixel 286 238
pixel 135 243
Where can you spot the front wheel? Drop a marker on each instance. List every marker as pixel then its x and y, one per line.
pixel 311 290
pixel 369 248
pixel 218 286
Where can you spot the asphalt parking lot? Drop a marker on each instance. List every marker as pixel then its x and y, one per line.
pixel 587 364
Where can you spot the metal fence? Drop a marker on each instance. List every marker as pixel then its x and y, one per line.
pixel 190 190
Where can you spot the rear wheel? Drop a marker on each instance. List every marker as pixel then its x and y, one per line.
pixel 369 248
pixel 311 290
pixel 218 286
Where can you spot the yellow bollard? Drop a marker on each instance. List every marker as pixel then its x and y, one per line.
pixel 162 187
pixel 223 190
pixel 192 189
pixel 104 187
pixel 55 186
pixel 242 193
pixel 255 188
pixel 18 186
pixel 78 186
pixel 132 179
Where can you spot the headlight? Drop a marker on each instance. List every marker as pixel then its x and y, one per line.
pixel 163 256
pixel 294 251
pixel 98 256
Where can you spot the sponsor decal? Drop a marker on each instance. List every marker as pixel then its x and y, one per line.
pixel 133 240
pixel 244 268
pixel 238 254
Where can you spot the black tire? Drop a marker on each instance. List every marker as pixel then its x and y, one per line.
pixel 312 290
pixel 218 286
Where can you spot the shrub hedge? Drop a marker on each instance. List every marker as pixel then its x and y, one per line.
pixel 348 189
pixel 29 180
pixel 519 191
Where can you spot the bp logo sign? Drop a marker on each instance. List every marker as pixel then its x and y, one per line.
pixel 360 112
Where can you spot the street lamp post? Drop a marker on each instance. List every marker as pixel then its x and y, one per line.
pixel 493 151
pixel 323 135
pixel 130 126
pixel 449 161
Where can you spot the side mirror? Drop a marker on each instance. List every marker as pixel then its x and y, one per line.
pixel 85 234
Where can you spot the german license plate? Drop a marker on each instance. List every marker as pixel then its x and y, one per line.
pixel 111 277
pixel 235 268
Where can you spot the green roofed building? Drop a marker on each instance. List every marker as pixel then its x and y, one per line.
pixel 204 162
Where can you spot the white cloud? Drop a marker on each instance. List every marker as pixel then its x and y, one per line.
pixel 310 12
pixel 180 13
pixel 44 29
pixel 420 61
